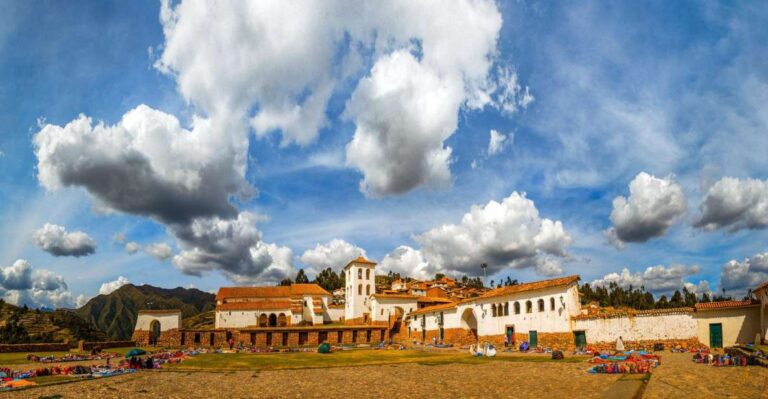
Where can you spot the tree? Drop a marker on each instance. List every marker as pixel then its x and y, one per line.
pixel 662 302
pixel 286 281
pixel 438 276
pixel 301 278
pixel 329 280
pixel 677 300
pixel 13 332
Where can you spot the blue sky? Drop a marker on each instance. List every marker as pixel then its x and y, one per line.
pixel 673 89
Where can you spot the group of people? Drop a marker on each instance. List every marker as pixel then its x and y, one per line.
pixel 726 360
pixel 71 357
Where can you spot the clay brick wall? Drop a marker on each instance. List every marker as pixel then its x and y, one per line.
pixel 648 344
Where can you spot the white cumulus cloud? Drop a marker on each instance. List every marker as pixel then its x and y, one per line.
pixel 738 277
pixel 407 262
pixel 653 205
pixel 334 254
pixel 735 204
pixel 656 279
pixel 111 286
pixel 159 250
pixel 21 284
pixel 502 234
pixel 132 247
pixel 55 240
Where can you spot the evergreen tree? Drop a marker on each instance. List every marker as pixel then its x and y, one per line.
pixel 677 300
pixel 438 276
pixel 329 280
pixel 286 281
pixel 662 303
pixel 301 278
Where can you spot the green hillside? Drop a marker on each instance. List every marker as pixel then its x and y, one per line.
pixel 115 314
pixel 22 325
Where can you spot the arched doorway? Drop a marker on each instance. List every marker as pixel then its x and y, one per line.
pixel 469 322
pixel 263 321
pixel 282 321
pixel 154 332
pixel 272 320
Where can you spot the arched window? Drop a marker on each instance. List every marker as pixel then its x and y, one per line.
pixel 368 289
pixel 360 274
pixel 506 309
pixel 367 274
pixel 541 305
pixel 263 320
pixel 359 289
pixel 272 320
pixel 493 310
pixel 552 303
pixel 517 307
pixel 528 307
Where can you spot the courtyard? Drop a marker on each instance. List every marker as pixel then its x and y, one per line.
pixel 408 373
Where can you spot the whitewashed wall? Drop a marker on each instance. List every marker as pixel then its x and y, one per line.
pixel 739 325
pixel 381 311
pixel 245 318
pixel 167 321
pixel 651 327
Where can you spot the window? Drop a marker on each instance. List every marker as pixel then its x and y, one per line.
pixel 517 307
pixel 493 310
pixel 382 312
pixel 551 303
pixel 359 289
pixel 528 307
pixel 506 309
pixel 367 274
pixel 360 273
pixel 368 289
pixel 541 305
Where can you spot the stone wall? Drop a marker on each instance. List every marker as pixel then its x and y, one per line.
pixel 45 347
pixel 86 346
pixel 648 344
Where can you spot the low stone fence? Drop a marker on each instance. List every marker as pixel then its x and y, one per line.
pixel 86 346
pixel 32 348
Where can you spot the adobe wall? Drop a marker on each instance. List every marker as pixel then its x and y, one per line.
pixel 680 326
pixel 264 338
pixel 86 346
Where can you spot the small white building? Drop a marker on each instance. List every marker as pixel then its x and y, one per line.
pixel 297 304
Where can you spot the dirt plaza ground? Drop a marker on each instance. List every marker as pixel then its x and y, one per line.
pixel 435 376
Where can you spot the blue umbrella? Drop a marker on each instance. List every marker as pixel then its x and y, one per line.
pixel 135 352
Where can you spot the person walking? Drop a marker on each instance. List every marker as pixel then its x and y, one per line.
pixel 619 345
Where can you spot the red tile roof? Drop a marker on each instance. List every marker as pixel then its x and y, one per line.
pixel 726 304
pixel 360 259
pixel 395 296
pixel 433 299
pixel 536 285
pixel 611 313
pixel 761 286
pixel 436 308
pixel 283 291
pixel 159 311
pixel 255 305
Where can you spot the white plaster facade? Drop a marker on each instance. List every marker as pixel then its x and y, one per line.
pixel 360 283
pixel 168 320
pixel 739 325
pixel 559 302
pixel 678 325
pixel 384 306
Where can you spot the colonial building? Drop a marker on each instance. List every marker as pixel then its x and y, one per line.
pixel 545 313
pixel 281 306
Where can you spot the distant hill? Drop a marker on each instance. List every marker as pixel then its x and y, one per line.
pixel 21 325
pixel 115 313
pixel 200 321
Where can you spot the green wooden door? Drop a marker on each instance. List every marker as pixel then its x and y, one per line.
pixel 510 333
pixel 716 335
pixel 580 339
pixel 533 337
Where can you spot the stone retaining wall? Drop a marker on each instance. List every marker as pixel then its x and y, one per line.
pixel 32 348
pixel 86 346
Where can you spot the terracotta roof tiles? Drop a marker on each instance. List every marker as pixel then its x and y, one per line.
pixel 536 285
pixel 255 305
pixel 283 291
pixel 436 308
pixel 726 304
